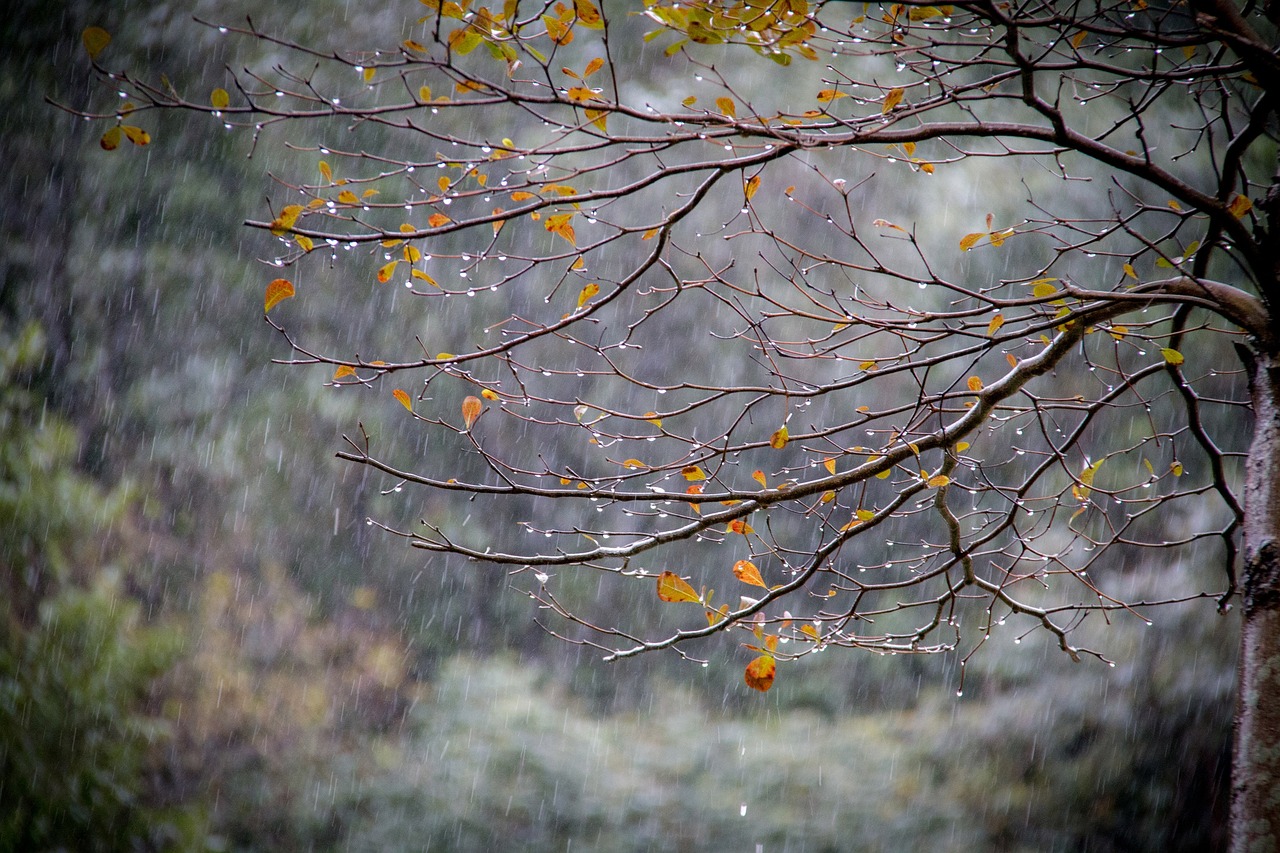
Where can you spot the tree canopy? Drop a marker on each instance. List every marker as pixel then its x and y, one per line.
pixel 895 327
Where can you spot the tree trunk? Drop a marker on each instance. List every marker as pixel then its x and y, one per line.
pixel 1255 801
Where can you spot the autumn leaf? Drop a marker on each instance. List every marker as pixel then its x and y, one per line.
pixel 343 371
pixel 747 572
pixel 830 464
pixel 403 397
pixel 136 135
pixel 826 96
pixel 219 98
pixel 693 473
pixel 277 291
pixel 435 220
pixel 892 99
pixel 760 672
pixel 471 408
pixel 110 140
pixel 974 383
pixel 587 292
pixel 1240 205
pixel 779 438
pixel 673 588
pixel 95 40
pixel 750 186
pixel 489 394
pixel 386 271
pixel 592 67
pixel 559 223
pixel 740 526
pixel 727 107
pixel 1172 356
pixel 759 477
pixel 938 481
pixel 994 326
pixel 970 240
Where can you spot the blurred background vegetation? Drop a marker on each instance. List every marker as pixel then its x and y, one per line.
pixel 203 646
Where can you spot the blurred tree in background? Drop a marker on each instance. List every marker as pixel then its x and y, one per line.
pixel 336 690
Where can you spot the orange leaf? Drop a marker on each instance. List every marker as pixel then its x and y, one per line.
pixel 387 270
pixel 748 573
pixel 403 397
pixel 672 588
pixel 343 371
pixel 726 107
pixel 435 220
pixel 471 408
pixel 593 66
pixel 740 526
pixel 760 672
pixel 759 477
pixel 974 383
pixel 95 39
pixel 752 184
pixel 277 291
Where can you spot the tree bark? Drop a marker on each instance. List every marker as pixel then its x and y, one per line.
pixel 1255 802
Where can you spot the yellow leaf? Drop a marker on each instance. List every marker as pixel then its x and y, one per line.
pixel 760 673
pixel 690 101
pixel 727 107
pixel 1172 355
pixel 598 117
pixel 673 588
pixel 277 291
pixel 779 438
pixel 410 44
pixel 829 464
pixel 750 186
pixel 136 135
pixel 419 274
pixel 219 98
pixel 471 408
pixel 810 632
pixel 424 94
pixel 962 446
pixel 348 197
pixel 343 371
pixel 1240 205
pixel 652 417
pixel 970 240
pixel 747 572
pixel 693 473
pixel 588 14
pixel 826 96
pixel 1043 289
pixel 994 326
pixel 938 481
pixel 587 292
pixel 95 40
pixel 368 74
pixel 489 394
pixel 403 397
pixel 974 383
pixel 1176 468
pixel 581 94
pixel 759 477
pixel 892 99
pixel 559 224
pixel 593 66
pixel 110 140
pixel 1129 271
pixel 304 241
pixel 632 464
pixel 387 270
pixel 740 526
